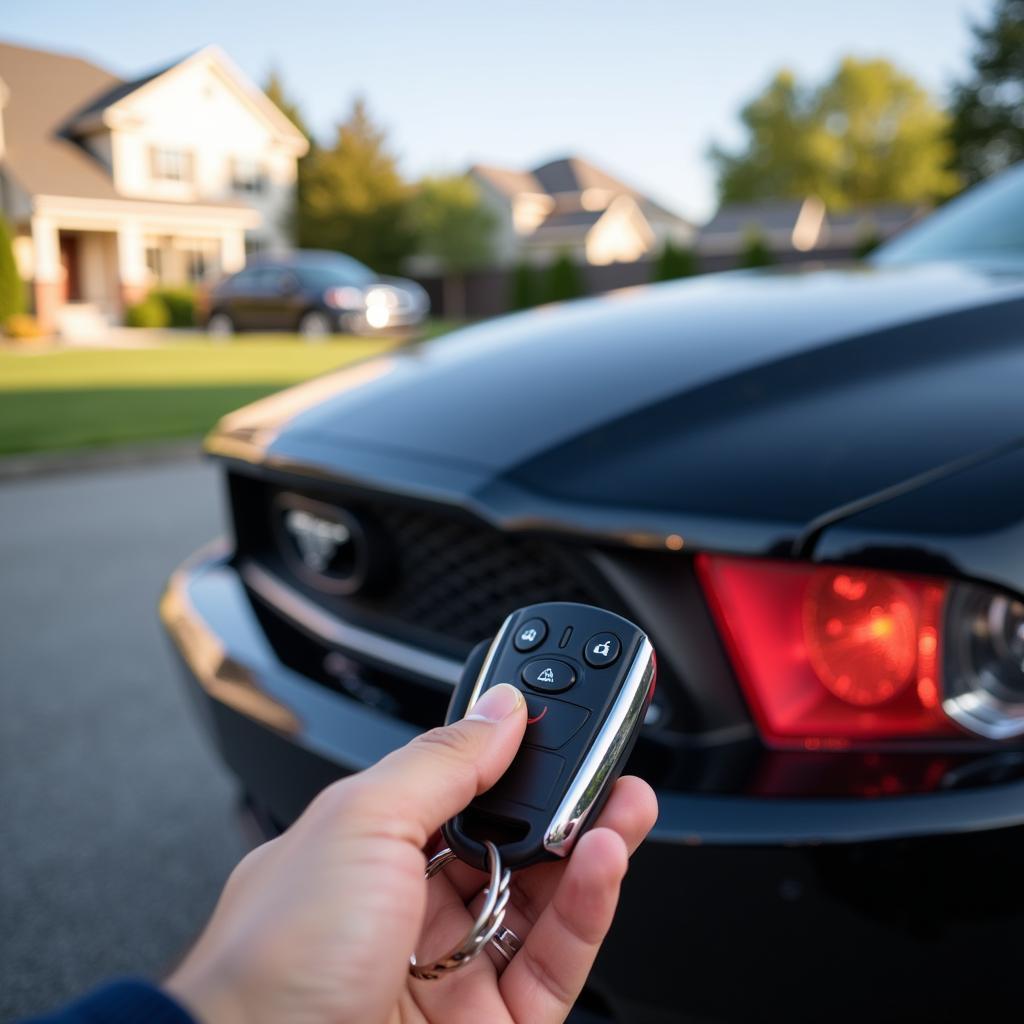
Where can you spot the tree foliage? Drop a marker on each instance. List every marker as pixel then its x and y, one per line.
pixel 988 108
pixel 452 225
pixel 755 251
pixel 868 134
pixel 525 290
pixel 353 199
pixel 562 280
pixel 12 288
pixel 673 262
pixel 276 93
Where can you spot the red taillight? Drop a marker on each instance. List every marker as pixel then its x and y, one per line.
pixel 831 657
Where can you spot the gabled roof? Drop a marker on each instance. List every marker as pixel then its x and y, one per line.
pixel 768 215
pixel 508 182
pixel 54 98
pixel 117 92
pixel 567 176
pixel 44 89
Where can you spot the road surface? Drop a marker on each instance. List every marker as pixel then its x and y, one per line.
pixel 119 825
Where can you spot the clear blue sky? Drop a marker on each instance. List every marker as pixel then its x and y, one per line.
pixel 639 86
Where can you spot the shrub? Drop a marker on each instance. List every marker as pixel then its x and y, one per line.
pixel 867 244
pixel 755 252
pixel 525 290
pixel 150 312
pixel 12 289
pixel 180 303
pixel 674 262
pixel 562 280
pixel 22 326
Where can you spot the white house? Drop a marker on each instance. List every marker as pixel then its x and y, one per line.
pixel 112 187
pixel 571 206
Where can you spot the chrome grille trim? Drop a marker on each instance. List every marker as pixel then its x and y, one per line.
pixel 353 639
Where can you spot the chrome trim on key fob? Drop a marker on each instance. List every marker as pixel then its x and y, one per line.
pixel 604 754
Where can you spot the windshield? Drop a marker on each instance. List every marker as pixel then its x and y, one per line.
pixel 986 225
pixel 329 271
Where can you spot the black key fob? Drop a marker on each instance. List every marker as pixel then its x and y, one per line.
pixel 588 676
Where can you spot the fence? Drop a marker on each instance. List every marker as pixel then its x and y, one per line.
pixel 488 292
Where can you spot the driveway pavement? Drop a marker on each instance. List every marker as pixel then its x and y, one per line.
pixel 119 825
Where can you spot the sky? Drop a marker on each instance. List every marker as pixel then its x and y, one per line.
pixel 639 87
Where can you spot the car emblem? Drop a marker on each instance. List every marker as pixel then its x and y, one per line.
pixel 317 539
pixel 330 547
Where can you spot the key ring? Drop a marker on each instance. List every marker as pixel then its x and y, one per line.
pixel 486 925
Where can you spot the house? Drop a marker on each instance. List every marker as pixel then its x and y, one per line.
pixel 570 206
pixel 113 186
pixel 800 226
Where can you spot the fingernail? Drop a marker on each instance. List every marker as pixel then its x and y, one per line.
pixel 497 703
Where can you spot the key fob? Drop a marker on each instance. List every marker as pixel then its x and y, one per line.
pixel 588 676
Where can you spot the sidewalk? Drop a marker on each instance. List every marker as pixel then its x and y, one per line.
pixel 125 456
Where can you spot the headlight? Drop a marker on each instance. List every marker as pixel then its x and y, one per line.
pixel 984 661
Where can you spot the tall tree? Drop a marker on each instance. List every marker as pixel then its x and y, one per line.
pixel 454 228
pixel 868 134
pixel 988 107
pixel 353 198
pixel 276 93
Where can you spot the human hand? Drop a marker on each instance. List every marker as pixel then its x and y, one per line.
pixel 317 926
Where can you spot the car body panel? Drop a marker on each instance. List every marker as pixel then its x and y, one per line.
pixel 865 381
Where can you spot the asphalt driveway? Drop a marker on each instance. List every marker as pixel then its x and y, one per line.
pixel 119 825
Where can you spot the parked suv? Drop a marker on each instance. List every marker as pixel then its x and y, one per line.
pixel 314 293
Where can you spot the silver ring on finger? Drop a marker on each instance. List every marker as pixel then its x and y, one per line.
pixel 507 943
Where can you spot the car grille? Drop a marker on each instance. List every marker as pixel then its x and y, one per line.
pixel 462 580
pixel 454 579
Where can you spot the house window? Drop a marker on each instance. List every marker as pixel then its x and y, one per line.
pixel 247 176
pixel 169 164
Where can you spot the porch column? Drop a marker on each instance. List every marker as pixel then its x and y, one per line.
pixel 47 273
pixel 232 250
pixel 131 264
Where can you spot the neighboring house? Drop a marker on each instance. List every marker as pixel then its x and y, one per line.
pixel 571 206
pixel 112 187
pixel 799 225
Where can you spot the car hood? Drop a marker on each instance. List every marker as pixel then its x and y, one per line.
pixel 742 397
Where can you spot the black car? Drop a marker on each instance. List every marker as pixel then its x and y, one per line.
pixel 314 293
pixel 808 489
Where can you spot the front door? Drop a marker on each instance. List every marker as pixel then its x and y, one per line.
pixel 71 287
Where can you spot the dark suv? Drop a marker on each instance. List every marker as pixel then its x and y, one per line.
pixel 314 293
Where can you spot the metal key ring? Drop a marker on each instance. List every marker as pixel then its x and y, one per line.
pixel 484 928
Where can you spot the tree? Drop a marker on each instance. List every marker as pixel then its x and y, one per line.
pixel 274 88
pixel 562 280
pixel 454 228
pixel 673 262
pixel 275 91
pixel 755 251
pixel 988 108
pixel 525 290
pixel 353 199
pixel 12 289
pixel 868 134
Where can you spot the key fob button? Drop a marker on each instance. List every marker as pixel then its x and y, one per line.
pixel 602 649
pixel 548 675
pixel 530 635
pixel 530 780
pixel 552 723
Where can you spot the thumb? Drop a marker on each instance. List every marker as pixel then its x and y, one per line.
pixel 423 784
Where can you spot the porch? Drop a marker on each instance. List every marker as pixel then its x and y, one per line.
pixel 89 259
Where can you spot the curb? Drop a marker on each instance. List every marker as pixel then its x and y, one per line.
pixel 89 460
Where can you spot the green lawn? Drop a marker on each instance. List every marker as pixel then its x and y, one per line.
pixel 78 398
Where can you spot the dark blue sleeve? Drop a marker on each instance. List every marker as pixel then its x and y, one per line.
pixel 129 1001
